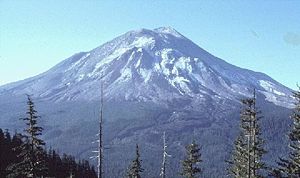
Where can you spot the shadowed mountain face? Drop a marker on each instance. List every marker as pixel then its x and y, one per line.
pixel 155 80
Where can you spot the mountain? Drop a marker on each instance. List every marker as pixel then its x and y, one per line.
pixel 154 81
pixel 155 65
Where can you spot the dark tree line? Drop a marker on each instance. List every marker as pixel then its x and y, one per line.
pixel 8 153
pixel 25 155
pixel 290 167
pixel 247 156
pixel 56 165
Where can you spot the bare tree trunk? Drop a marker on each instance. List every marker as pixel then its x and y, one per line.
pixel 165 155
pixel 254 132
pixel 100 144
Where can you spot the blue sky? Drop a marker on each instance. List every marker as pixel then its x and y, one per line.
pixel 259 35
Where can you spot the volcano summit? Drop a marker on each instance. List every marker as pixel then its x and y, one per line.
pixel 154 81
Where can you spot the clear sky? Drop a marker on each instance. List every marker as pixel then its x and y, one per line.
pixel 259 35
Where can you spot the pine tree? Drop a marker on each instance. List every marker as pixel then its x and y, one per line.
pixel 32 156
pixel 291 167
pixel 246 161
pixel 12 153
pixel 239 161
pixel 135 168
pixel 3 152
pixel 190 168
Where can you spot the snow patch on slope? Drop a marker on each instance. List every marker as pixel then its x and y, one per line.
pixel 146 74
pixel 183 64
pixel 270 87
pixel 143 41
pixel 126 74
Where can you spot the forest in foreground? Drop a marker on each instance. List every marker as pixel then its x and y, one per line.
pixel 26 155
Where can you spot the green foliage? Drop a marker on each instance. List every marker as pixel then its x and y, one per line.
pixel 25 156
pixel 7 152
pixel 57 166
pixel 190 168
pixel 291 167
pixel 246 160
pixel 239 160
pixel 32 156
pixel 135 168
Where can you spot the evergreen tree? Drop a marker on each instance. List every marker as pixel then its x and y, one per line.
pixel 3 151
pixel 32 163
pixel 190 168
pixel 291 167
pixel 15 150
pixel 12 153
pixel 8 154
pixel 135 168
pixel 239 161
pixel 246 161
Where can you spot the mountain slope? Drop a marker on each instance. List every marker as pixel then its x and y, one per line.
pixel 155 65
pixel 155 81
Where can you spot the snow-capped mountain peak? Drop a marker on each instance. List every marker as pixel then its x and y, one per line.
pixel 150 65
pixel 169 31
